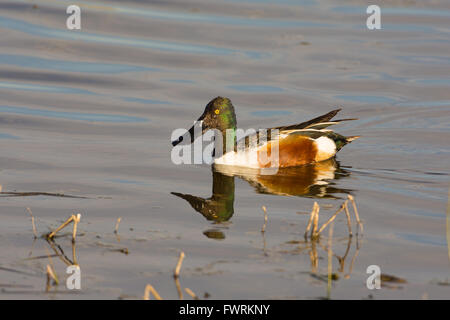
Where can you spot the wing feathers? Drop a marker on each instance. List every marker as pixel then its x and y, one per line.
pixel 313 128
pixel 324 118
pixel 322 125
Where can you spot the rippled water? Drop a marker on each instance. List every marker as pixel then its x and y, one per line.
pixel 90 113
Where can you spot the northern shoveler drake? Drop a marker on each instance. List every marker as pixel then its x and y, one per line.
pixel 297 144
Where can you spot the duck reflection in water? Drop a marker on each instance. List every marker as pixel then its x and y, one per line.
pixel 313 180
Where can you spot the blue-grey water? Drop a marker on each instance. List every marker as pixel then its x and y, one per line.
pixel 90 113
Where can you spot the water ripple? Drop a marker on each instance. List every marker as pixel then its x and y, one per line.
pixel 8 136
pixel 424 239
pixel 42 31
pixel 42 88
pixel 69 66
pixel 255 88
pixel 91 117
pixel 197 17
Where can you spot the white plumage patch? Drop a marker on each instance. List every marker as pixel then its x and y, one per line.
pixel 246 158
pixel 326 148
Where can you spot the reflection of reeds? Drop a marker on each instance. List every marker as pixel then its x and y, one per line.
pixel 315 232
pixel 178 286
pixel 342 259
pixel 264 244
pixel 263 230
pixel 60 252
pixel 349 220
pixel 330 259
pixel 51 275
pixel 352 262
pixel 176 274
pixel 314 257
pixel 191 293
pixel 116 230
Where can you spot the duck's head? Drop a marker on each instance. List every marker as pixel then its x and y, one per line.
pixel 219 114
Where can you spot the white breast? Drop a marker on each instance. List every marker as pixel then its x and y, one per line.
pixel 246 158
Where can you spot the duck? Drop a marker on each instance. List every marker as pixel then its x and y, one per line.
pixel 278 147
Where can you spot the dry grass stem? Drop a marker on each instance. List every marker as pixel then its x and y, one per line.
pixel 76 220
pixel 149 289
pixel 176 272
pixel 74 254
pixel 331 219
pixel 352 199
pixel 52 234
pixel 349 222
pixel 315 223
pixel 265 219
pixel 314 219
pixel 32 223
pixel 311 218
pixel 116 229
pixel 73 218
pixel 191 293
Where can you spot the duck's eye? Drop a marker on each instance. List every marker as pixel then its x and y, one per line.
pixel 217 111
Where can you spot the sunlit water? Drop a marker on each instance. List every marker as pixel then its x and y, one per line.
pixel 90 113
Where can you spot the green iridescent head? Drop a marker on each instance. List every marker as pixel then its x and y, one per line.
pixel 219 114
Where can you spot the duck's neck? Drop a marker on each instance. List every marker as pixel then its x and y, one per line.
pixel 229 140
pixel 227 127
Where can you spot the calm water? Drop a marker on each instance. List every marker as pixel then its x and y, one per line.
pixel 89 113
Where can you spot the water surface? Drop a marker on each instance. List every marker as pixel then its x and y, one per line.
pixel 90 113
